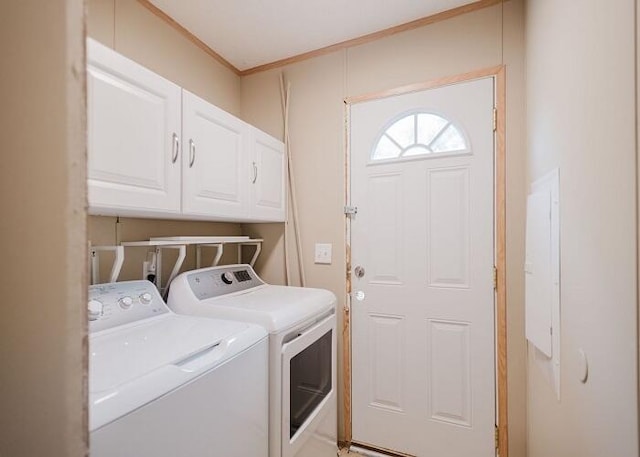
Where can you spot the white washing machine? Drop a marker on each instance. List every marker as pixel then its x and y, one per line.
pixel 163 385
pixel 302 349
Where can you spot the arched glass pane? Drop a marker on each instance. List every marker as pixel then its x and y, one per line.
pixel 386 149
pixel 419 134
pixel 429 125
pixel 403 131
pixel 450 140
pixel 416 150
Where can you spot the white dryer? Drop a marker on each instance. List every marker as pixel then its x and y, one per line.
pixel 302 349
pixel 163 385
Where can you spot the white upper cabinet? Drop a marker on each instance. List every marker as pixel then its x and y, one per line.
pixel 134 136
pixel 268 167
pixel 156 150
pixel 213 163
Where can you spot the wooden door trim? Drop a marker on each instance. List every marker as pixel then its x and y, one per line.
pixel 501 261
pixel 424 85
pixel 346 310
pixel 499 75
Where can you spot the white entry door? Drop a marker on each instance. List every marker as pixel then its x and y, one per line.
pixel 423 373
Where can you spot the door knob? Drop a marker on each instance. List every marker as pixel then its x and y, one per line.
pixel 359 271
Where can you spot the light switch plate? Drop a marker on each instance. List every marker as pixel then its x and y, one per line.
pixel 323 253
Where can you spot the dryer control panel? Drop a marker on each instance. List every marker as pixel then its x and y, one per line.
pixel 216 281
pixel 114 304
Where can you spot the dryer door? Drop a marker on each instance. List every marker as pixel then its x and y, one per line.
pixel 309 384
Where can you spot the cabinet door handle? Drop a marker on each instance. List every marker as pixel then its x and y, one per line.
pixel 192 153
pixel 255 173
pixel 176 148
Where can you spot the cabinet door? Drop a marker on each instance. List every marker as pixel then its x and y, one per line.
pixel 267 188
pixel 213 182
pixel 133 133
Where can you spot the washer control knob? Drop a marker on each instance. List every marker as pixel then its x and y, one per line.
pixel 145 298
pixel 94 309
pixel 227 277
pixel 125 302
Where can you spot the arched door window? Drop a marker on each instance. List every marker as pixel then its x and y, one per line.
pixel 419 134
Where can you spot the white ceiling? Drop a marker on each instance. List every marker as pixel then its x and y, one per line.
pixel 248 33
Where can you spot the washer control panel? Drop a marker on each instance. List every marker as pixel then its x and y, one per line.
pixel 119 303
pixel 216 281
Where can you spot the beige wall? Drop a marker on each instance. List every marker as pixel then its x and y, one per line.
pixel 111 231
pixel 42 197
pixel 318 87
pixel 132 30
pixel 581 109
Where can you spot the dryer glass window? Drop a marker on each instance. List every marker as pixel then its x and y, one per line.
pixel 310 381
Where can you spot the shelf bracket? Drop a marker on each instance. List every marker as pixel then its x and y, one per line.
pixel 182 254
pixel 95 262
pixel 219 253
pixel 216 260
pixel 258 246
pixel 181 246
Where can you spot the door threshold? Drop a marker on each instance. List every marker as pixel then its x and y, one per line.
pixel 368 451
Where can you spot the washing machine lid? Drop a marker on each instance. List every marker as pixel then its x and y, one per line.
pixel 135 364
pixel 276 308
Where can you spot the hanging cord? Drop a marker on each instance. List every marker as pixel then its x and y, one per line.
pixel 285 96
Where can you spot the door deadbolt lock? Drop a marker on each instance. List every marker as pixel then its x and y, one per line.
pixel 359 271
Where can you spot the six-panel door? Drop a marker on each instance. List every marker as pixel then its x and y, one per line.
pixel 423 309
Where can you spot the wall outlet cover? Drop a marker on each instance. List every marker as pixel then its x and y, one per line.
pixel 323 253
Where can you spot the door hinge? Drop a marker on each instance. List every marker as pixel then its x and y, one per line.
pixel 495 119
pixel 497 437
pixel 349 210
pixel 495 278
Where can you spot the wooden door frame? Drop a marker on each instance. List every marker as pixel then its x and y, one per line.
pixel 498 73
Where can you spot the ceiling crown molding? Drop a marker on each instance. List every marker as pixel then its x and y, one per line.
pixel 431 19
